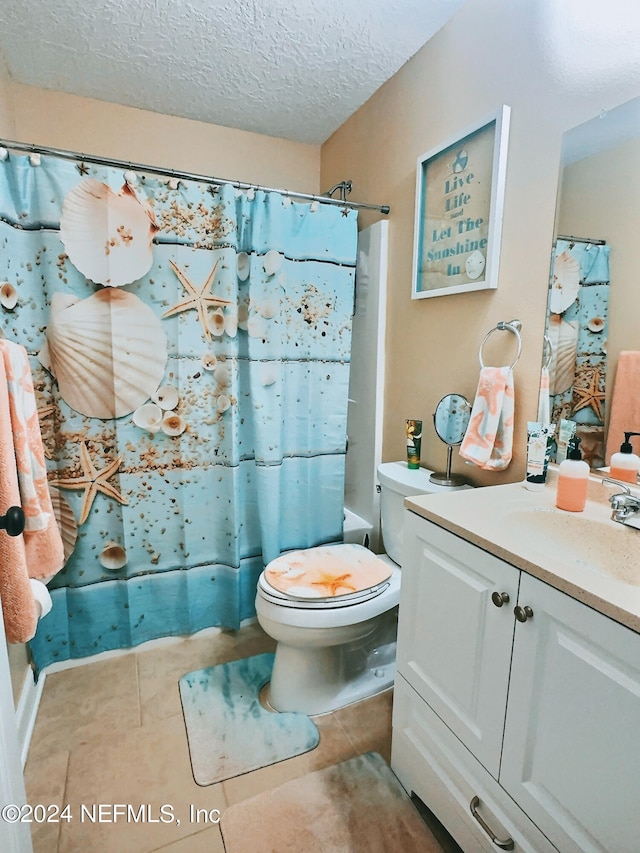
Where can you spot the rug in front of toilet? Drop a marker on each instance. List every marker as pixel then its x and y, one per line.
pixel 327 571
pixel 229 732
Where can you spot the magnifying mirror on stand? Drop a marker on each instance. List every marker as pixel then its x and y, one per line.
pixel 450 420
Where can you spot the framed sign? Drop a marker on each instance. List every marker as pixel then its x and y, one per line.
pixel 459 203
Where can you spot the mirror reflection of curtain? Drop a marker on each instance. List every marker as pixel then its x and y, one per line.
pixel 190 348
pixel 577 326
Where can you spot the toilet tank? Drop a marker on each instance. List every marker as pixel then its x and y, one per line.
pixel 398 482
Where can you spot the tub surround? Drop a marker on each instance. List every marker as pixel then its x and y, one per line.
pixel 481 517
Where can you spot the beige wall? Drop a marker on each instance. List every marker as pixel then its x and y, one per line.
pixel 486 56
pixel 58 120
pixel 7 125
pixel 599 199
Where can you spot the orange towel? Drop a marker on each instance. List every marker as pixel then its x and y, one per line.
pixel 38 552
pixel 625 403
pixel 18 604
pixel 488 441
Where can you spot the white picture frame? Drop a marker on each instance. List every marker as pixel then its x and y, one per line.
pixel 459 208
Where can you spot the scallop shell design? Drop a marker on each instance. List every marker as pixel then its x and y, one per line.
pixel 223 403
pixel 107 352
pixel 166 397
pixel 209 361
pixel 272 262
pixel 173 424
pixel 564 341
pixel 215 321
pixel 113 556
pixel 8 295
pixel 148 417
pixel 66 521
pixel 243 262
pixel 107 235
pixel 231 325
pixel 565 282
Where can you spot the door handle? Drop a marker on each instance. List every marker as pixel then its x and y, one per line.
pixel 500 598
pixel 507 844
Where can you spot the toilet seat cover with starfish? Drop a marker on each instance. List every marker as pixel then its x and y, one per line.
pixel 327 571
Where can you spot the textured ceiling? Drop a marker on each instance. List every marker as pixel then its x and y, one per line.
pixel 289 68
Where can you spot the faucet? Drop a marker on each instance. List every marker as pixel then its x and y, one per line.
pixel 624 505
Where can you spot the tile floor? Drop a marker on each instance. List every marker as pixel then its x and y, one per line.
pixel 112 732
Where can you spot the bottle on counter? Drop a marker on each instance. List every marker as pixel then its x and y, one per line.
pixel 573 479
pixel 625 465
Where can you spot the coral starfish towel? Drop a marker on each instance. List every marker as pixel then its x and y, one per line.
pixel 488 441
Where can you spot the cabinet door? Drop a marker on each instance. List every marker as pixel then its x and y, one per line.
pixel 454 643
pixel 572 736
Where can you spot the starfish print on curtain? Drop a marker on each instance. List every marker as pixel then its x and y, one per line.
pixel 92 481
pixel 590 395
pixel 199 300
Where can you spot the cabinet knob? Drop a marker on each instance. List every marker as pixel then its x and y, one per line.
pixel 503 844
pixel 500 598
pixel 523 613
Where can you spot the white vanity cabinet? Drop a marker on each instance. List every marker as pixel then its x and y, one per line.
pixel 519 735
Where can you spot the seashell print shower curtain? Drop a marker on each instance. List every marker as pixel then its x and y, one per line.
pixel 577 329
pixel 190 349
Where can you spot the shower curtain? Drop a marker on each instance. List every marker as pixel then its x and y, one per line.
pixel 190 349
pixel 577 328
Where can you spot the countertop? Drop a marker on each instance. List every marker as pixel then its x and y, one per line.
pixel 503 521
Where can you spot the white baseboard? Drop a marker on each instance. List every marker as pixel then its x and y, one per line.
pixel 27 711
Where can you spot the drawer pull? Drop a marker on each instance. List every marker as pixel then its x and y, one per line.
pixel 523 613
pixel 503 845
pixel 500 598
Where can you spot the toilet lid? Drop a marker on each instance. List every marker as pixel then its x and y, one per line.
pixel 326 572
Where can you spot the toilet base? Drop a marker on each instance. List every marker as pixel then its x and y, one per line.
pixel 317 680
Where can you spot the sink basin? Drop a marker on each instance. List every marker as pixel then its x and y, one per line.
pixel 596 544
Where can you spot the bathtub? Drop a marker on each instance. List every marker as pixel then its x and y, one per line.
pixel 356 530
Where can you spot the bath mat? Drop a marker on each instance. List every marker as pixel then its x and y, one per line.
pixel 228 730
pixel 357 806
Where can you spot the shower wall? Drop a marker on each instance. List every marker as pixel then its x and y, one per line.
pixel 366 383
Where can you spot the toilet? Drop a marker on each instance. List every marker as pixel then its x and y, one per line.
pixel 333 609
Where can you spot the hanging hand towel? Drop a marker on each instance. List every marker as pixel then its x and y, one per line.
pixel 43 546
pixel 19 609
pixel 625 402
pixel 488 441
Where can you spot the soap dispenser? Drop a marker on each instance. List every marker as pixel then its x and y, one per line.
pixel 573 479
pixel 625 465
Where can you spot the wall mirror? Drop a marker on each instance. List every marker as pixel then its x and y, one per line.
pixel 450 420
pixel 594 296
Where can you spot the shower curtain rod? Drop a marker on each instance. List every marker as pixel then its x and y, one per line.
pixel 190 176
pixel 571 239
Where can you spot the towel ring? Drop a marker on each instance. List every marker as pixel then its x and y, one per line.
pixel 512 326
